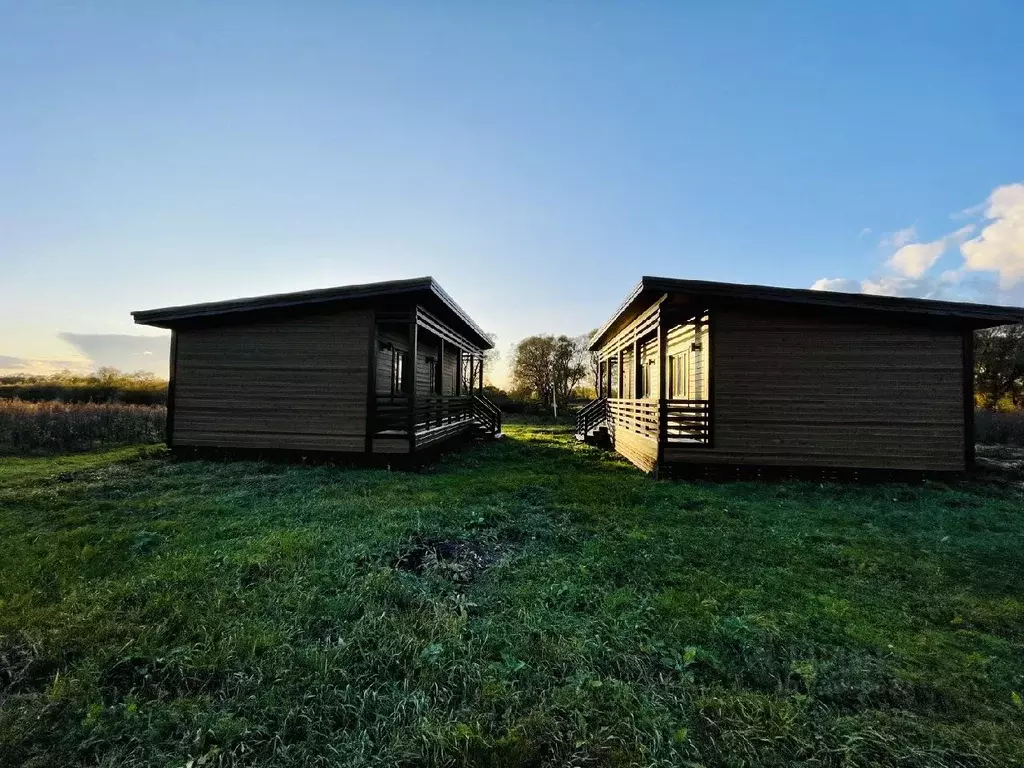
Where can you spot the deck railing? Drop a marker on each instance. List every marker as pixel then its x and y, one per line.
pixel 393 415
pixel 683 421
pixel 687 421
pixel 638 416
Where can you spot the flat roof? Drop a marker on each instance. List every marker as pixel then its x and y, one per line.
pixel 425 287
pixel 974 315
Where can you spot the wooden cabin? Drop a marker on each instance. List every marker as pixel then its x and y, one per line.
pixel 702 374
pixel 382 369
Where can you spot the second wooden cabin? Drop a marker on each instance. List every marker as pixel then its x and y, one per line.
pixel 703 373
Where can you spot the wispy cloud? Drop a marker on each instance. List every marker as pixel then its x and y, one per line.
pixel 899 238
pixel 124 351
pixel 992 266
pixel 41 366
pixel 97 350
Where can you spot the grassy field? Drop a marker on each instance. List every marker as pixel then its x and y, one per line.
pixel 525 603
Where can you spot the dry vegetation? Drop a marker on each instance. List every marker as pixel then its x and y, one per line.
pixel 56 427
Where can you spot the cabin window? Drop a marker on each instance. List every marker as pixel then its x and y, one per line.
pixel 433 375
pixel 397 371
pixel 678 383
pixel 613 377
pixel 648 382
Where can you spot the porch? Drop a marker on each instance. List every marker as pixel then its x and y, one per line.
pixel 427 385
pixel 654 385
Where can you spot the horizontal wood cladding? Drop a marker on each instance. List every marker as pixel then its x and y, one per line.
pixel 803 388
pixel 297 382
pixel 641 451
pixel 427 347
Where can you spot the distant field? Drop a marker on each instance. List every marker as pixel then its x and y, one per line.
pixel 105 386
pixel 525 603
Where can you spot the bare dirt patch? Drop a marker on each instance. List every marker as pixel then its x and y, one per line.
pixel 458 560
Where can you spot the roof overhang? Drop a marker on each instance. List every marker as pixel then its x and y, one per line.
pixel 649 289
pixel 421 289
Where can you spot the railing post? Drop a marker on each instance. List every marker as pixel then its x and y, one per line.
pixel 440 384
pixel 414 337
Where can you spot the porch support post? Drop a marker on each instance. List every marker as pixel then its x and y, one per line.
pixel 458 372
pixel 371 384
pixel 638 370
pixel 440 382
pixel 662 394
pixel 414 343
pixel 621 377
pixel 481 390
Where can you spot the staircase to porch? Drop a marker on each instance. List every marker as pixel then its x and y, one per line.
pixel 592 423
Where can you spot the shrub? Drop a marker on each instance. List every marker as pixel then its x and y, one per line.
pixel 56 427
pixel 999 426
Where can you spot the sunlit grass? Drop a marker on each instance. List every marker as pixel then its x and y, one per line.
pixel 155 612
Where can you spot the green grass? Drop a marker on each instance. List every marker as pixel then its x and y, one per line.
pixel 155 612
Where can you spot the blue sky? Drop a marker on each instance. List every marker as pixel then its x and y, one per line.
pixel 536 158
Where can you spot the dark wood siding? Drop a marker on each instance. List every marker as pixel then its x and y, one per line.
pixel 297 382
pixel 803 388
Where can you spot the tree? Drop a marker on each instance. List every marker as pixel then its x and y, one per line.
pixel 531 366
pixel 568 367
pixel 549 367
pixel 999 365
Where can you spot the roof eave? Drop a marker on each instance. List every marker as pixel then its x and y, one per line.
pixel 170 317
pixel 972 315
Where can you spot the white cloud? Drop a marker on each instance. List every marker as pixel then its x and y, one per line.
pixel 917 258
pixel 914 259
pixel 996 252
pixel 841 284
pixel 41 366
pixel 899 238
pixel 999 247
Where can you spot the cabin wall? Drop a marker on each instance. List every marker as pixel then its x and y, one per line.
pixel 799 388
pixel 295 383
